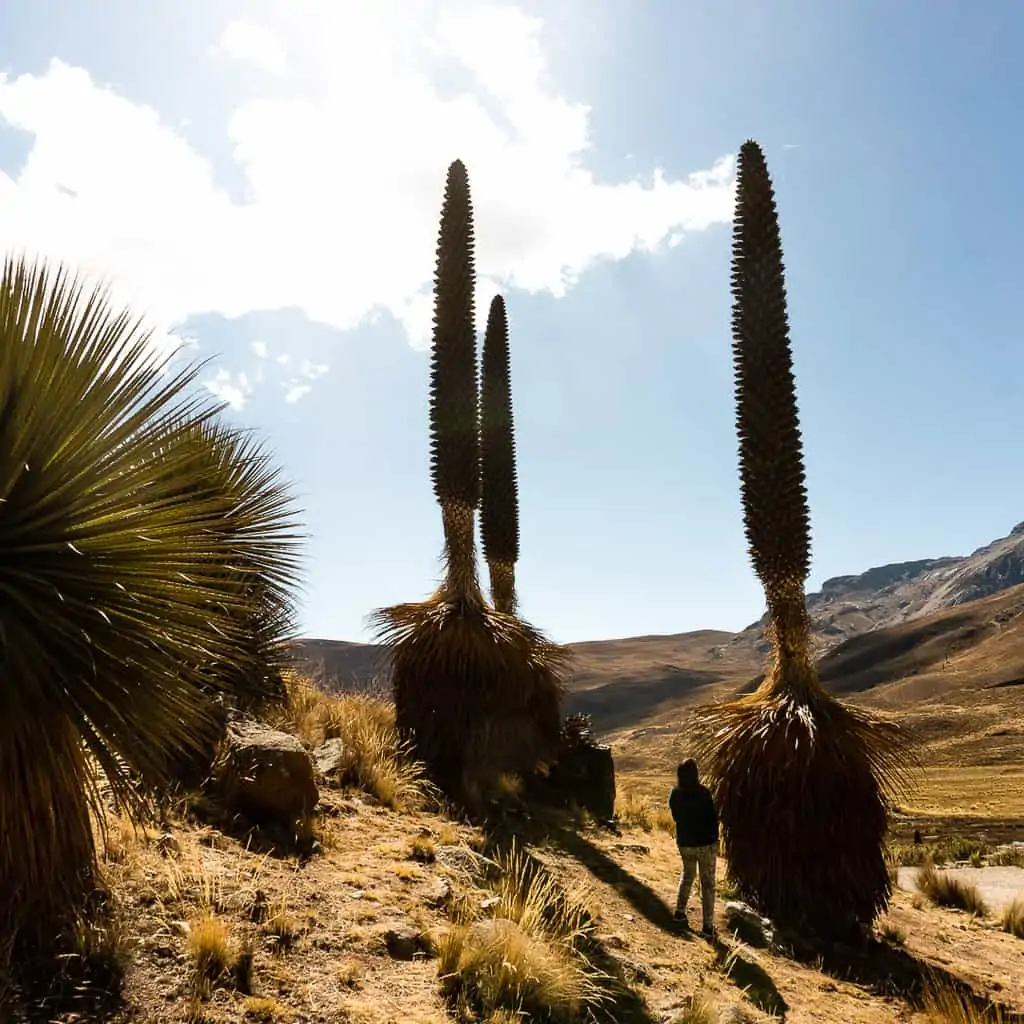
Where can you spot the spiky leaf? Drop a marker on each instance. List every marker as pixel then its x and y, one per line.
pixel 454 427
pixel 775 509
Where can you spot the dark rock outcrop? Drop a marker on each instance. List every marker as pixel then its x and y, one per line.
pixel 265 774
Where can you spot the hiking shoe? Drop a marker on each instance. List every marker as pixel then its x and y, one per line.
pixel 708 931
pixel 680 916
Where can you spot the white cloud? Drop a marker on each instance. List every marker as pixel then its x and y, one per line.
pixel 233 388
pixel 302 382
pixel 255 44
pixel 344 172
pixel 260 348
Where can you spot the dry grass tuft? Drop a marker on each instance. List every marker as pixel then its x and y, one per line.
pixel 209 943
pixel 527 959
pixel 945 890
pixel 943 1004
pixel 634 811
pixel 281 926
pixel 1012 918
pixel 266 1010
pixel 373 758
pixel 893 933
pixel 422 848
pixel 696 1010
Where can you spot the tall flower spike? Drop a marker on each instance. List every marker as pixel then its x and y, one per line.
pixel 499 502
pixel 775 511
pixel 454 413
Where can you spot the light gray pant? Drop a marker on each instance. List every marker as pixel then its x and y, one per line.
pixel 702 858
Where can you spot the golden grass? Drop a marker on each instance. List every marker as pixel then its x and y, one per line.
pixel 1012 918
pixel 696 1010
pixel 209 944
pixel 945 890
pixel 422 848
pixel 266 1010
pixel 634 811
pixel 373 759
pixel 892 933
pixel 943 1004
pixel 528 958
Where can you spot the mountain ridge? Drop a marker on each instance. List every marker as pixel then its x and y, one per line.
pixel 872 630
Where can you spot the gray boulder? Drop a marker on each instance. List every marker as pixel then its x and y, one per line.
pixel 331 759
pixel 749 926
pixel 265 774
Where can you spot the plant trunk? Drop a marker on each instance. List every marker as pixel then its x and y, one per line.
pixel 47 847
pixel 503 586
pixel 461 583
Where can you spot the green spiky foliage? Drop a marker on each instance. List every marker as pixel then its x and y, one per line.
pixel 119 571
pixel 803 782
pixel 499 497
pixel 476 690
pixel 258 527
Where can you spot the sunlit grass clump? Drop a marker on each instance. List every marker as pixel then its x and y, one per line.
pixel 529 958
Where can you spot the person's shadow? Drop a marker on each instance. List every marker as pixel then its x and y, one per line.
pixel 644 900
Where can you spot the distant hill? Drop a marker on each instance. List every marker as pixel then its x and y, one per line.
pixel 902 635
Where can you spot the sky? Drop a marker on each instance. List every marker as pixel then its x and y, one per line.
pixel 262 181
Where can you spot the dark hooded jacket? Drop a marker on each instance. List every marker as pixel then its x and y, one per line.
pixel 693 810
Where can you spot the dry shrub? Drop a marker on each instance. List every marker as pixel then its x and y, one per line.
pixel 945 890
pixel 373 758
pixel 634 812
pixel 528 958
pixel 1012 918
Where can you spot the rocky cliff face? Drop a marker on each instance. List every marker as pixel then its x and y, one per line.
pixel 889 594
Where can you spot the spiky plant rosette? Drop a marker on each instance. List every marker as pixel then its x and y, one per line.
pixel 467 679
pixel 116 573
pixel 259 529
pixel 477 690
pixel 803 782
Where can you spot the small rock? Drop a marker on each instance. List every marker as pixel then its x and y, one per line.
pixel 631 848
pixel 167 844
pixel 748 924
pixel 441 893
pixel 490 902
pixel 402 941
pixel 331 758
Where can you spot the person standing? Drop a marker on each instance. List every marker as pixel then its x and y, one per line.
pixel 696 820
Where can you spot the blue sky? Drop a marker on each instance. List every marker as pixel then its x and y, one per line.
pixel 263 179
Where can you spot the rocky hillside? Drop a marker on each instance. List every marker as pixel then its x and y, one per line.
pixel 889 594
pixel 874 629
